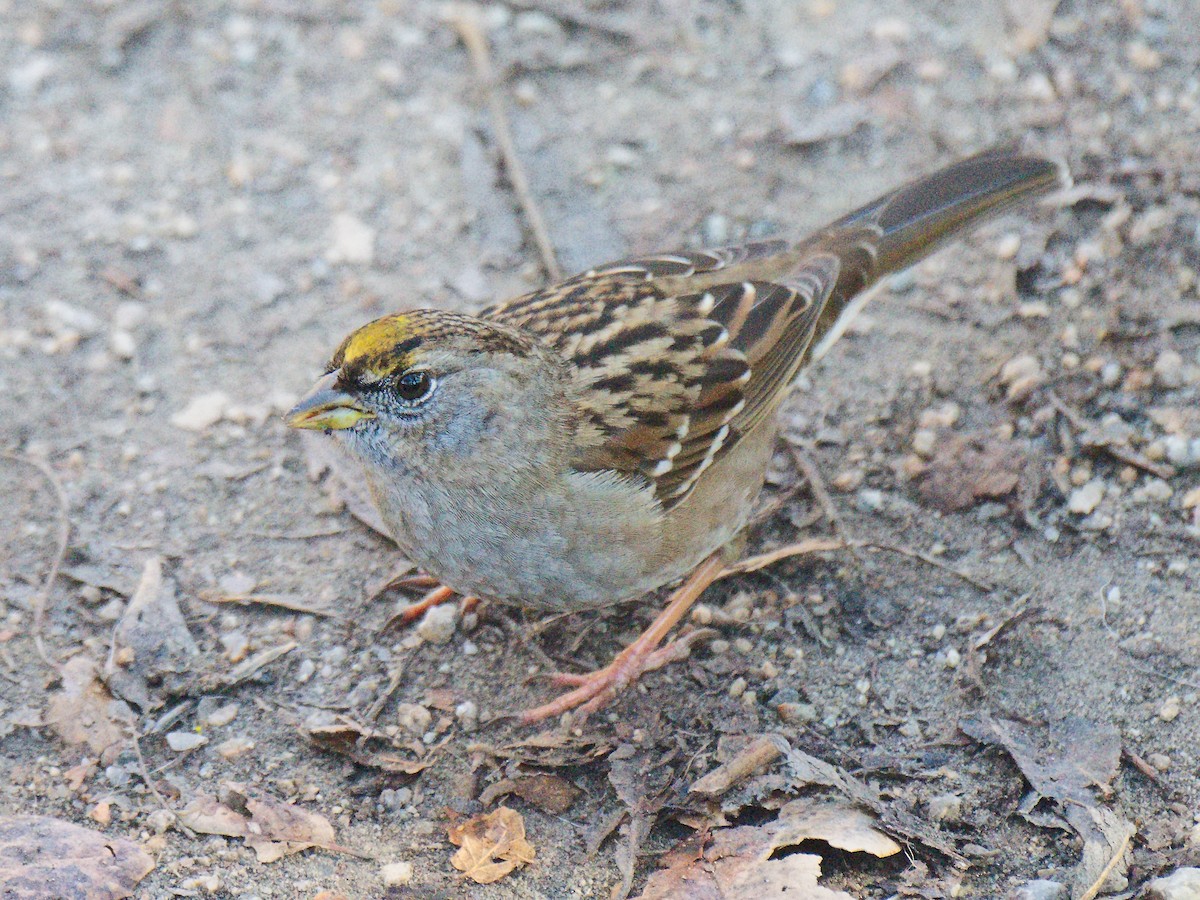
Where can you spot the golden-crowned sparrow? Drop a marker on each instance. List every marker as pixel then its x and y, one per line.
pixel 594 440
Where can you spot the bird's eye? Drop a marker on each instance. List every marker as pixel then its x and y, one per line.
pixel 414 386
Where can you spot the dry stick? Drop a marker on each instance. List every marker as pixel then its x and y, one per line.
pixel 930 561
pixel 822 545
pixel 1091 892
pixel 465 19
pixel 42 598
pixel 809 470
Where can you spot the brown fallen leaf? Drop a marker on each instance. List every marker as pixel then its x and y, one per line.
pixel 737 878
pixel 45 857
pixel 82 711
pixel 970 468
pixel 737 863
pixel 163 649
pixel 364 746
pixel 272 828
pixel 549 793
pixel 490 845
pixel 1076 759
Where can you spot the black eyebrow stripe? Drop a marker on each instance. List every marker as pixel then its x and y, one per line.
pixel 406 346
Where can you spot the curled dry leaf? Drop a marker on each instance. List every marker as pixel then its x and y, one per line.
pixel 82 711
pixel 272 828
pixel 45 857
pixel 737 864
pixel 968 469
pixel 1074 760
pixel 549 793
pixel 736 878
pixel 364 746
pixel 490 845
pixel 163 649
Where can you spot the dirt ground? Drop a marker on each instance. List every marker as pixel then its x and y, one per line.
pixel 197 201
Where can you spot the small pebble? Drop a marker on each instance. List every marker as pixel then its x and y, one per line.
pixel 1168 369
pixel 1008 246
pixel 438 624
pixel 182 741
pixel 951 658
pixel 202 412
pixel 737 687
pixel 945 808
pixel 397 874
pixel 1182 884
pixel 210 884
pixel 1085 499
pixel 221 716
pixel 234 747
pixel 467 714
pixel 414 718
pixel 797 713
pixel 924 442
pixel 1160 761
pixel 1041 890
pixel 1170 709
pixel 305 671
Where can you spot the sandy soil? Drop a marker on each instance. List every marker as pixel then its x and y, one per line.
pixel 197 201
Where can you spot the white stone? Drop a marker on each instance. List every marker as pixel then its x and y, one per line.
pixel 397 874
pixel 353 240
pixel 202 412
pixel 1085 499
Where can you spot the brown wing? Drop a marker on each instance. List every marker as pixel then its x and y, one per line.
pixel 677 356
pixel 671 369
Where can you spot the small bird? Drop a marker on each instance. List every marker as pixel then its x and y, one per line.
pixel 589 442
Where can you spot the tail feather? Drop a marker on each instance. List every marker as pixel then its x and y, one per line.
pixel 924 215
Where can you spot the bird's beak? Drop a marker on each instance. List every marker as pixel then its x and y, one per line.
pixel 326 408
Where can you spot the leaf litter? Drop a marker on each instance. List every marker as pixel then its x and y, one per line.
pixel 41 857
pixel 490 845
pixel 153 652
pixel 1076 760
pixel 272 828
pixel 83 711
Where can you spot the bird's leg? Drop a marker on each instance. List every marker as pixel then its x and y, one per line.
pixel 596 689
pixel 436 597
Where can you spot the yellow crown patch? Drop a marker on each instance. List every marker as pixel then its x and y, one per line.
pixel 393 343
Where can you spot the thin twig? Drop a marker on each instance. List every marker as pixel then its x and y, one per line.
pixel 42 598
pixel 576 18
pixel 821 545
pixel 465 19
pixel 1117 856
pixel 762 560
pixel 1091 441
pixel 817 486
pixel 930 561
pixel 149 780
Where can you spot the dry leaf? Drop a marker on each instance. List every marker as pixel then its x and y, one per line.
pixel 1079 758
pixel 968 469
pixel 737 864
pixel 163 649
pixel 836 823
pixel 272 828
pixel 45 857
pixel 490 845
pixel 549 793
pixel 365 746
pixel 84 712
pixel 791 878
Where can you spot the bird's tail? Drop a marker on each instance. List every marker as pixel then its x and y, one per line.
pixel 903 227
pixel 922 216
